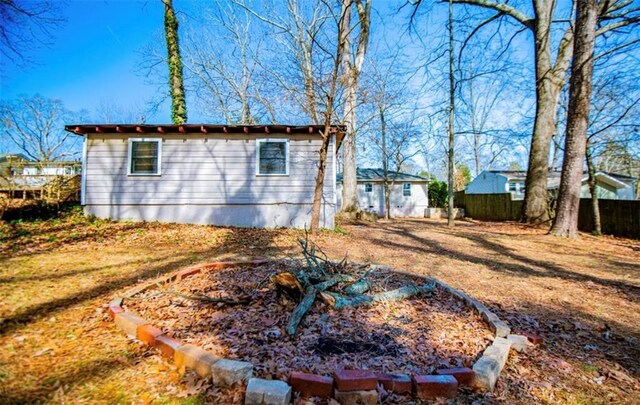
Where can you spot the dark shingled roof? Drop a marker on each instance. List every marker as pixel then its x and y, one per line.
pixel 378 175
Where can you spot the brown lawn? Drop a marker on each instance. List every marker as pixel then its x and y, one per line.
pixel 57 345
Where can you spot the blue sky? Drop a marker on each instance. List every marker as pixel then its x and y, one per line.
pixel 93 57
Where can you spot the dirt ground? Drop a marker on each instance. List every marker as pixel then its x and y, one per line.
pixel 416 335
pixel 57 345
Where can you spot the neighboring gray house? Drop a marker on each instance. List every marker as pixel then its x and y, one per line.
pixel 235 175
pixel 608 185
pixel 409 195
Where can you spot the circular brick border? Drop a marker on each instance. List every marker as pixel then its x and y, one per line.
pixel 346 386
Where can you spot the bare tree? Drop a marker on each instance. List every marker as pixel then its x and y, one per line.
pixel 109 111
pixel 332 80
pixel 550 76
pixel 566 221
pixel 176 82
pixel 313 39
pixel 223 59
pixel 35 126
pixel 614 121
pixel 26 25
pixel 389 131
pixel 480 99
pixel 297 70
pixel 352 62
pixel 450 127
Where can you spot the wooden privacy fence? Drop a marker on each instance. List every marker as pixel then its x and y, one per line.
pixel 489 207
pixel 618 217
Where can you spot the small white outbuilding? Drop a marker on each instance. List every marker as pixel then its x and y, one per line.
pixel 234 175
pixel 409 195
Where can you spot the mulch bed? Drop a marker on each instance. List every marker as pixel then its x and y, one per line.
pixel 416 335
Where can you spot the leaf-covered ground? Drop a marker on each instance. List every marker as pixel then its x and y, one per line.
pixel 414 336
pixel 57 345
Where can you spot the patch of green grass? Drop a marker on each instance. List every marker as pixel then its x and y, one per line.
pixel 337 230
pixel 194 400
pixel 4 375
pixel 589 368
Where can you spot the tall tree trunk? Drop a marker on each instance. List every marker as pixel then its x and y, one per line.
pixel 176 84
pixel 550 78
pixel 322 165
pixel 327 134
pixel 350 201
pixel 566 220
pixel 535 209
pixel 593 190
pixel 450 152
pixel 385 165
pixel 351 68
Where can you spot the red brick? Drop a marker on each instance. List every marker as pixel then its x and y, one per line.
pixel 311 385
pixel 435 386
pixel 148 334
pixel 535 339
pixel 115 309
pixel 228 264
pixel 464 375
pixel 369 397
pixel 355 380
pixel 167 345
pixel 258 262
pixel 189 271
pixel 398 383
pixel 221 265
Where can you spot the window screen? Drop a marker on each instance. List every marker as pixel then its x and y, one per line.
pixel 272 156
pixel 144 157
pixel 406 189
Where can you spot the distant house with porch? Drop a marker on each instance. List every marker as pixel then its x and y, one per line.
pixel 608 185
pixel 23 177
pixel 409 195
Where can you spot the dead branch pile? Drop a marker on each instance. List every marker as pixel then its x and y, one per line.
pixel 320 275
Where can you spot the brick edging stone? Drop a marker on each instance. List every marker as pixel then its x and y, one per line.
pixel 226 372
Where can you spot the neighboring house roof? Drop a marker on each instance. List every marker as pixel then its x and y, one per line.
pixel 13 156
pixel 368 174
pixel 553 181
pixel 620 177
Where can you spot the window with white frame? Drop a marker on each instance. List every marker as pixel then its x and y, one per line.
pixel 513 187
pixel 368 187
pixel 145 156
pixel 272 157
pixel 406 189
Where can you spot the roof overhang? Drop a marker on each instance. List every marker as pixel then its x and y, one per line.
pixel 83 129
pixel 605 178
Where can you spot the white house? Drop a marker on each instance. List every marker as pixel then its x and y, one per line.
pixel 409 196
pixel 608 185
pixel 249 176
pixel 19 171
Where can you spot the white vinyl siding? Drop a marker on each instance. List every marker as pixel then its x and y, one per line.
pixel 216 169
pixel 401 206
